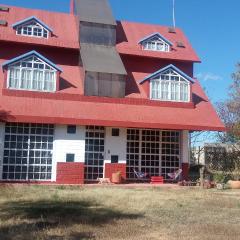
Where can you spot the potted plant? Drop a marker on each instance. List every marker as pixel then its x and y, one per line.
pixel 235 184
pixel 117 177
pixel 220 180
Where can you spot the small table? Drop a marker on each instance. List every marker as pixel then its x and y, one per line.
pixel 157 180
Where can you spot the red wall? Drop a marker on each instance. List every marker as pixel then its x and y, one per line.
pixel 150 65
pixel 70 173
pixel 138 68
pixel 111 168
pixel 185 171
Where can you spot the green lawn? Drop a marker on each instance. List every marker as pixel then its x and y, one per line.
pixel 43 212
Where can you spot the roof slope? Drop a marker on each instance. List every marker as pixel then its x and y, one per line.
pixel 64 27
pixel 75 109
pixel 129 34
pixel 69 106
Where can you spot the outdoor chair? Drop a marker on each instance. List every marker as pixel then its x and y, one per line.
pixel 175 175
pixel 141 175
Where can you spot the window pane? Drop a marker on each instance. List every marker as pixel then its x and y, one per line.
pixel 32 29
pixel 32 74
pixel 170 86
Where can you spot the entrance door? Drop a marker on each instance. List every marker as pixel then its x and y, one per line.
pixel 28 151
pixel 94 152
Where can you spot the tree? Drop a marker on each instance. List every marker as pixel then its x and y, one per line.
pixel 229 111
pixel 228 161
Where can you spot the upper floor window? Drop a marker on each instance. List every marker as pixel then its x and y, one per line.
pixel 31 72
pixel 32 27
pixel 170 84
pixel 156 42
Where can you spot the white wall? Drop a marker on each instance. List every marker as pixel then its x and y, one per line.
pixel 67 143
pixel 115 145
pixel 2 133
pixel 185 147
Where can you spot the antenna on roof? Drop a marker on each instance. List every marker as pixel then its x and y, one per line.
pixel 174 20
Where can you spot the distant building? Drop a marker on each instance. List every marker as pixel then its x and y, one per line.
pixel 203 154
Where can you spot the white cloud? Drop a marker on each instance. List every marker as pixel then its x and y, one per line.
pixel 208 77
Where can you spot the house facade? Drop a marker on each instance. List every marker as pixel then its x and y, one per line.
pixel 83 96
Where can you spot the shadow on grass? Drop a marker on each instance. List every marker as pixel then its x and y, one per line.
pixel 50 215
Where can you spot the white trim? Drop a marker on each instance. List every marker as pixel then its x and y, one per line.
pixel 2 134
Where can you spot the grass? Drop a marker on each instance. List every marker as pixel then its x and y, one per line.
pixel 57 213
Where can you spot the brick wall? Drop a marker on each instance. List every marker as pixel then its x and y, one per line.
pixel 70 173
pixel 111 168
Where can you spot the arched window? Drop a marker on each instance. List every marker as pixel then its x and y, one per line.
pixel 156 44
pixel 32 73
pixel 33 29
pixel 169 85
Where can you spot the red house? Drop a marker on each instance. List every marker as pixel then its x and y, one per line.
pixel 83 96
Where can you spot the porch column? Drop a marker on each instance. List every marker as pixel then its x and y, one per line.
pixel 185 154
pixel 115 151
pixel 2 132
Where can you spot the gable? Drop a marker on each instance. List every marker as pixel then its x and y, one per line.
pixel 169 67
pixel 155 36
pixel 30 54
pixel 29 20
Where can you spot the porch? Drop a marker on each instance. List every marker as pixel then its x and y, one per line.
pixel 52 153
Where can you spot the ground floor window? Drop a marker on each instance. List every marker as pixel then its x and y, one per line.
pixel 154 152
pixel 94 152
pixel 28 151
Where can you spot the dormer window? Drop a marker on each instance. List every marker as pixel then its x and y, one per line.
pixel 31 72
pixel 170 84
pixel 156 42
pixel 32 27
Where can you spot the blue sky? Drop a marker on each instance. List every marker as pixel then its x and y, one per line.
pixel 211 26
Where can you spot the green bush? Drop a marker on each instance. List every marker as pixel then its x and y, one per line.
pixel 221 177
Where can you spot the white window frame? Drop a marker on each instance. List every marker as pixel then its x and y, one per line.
pixel 46 69
pixel 94 137
pixel 169 150
pixel 180 82
pixel 31 26
pixel 152 44
pixel 38 147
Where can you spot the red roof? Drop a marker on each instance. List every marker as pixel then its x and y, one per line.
pixel 64 27
pixel 70 106
pixel 130 33
pixel 77 109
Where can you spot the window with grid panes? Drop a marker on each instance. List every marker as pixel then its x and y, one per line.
pixel 170 86
pixel 94 152
pixel 156 44
pixel 28 151
pixel 32 74
pixel 154 152
pixel 32 29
